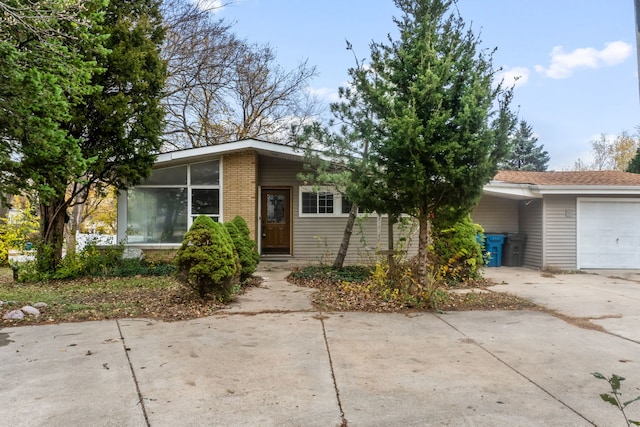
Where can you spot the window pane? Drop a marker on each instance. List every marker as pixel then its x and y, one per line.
pixel 205 202
pixel 207 173
pixel 167 176
pixel 275 209
pixel 346 205
pixel 309 203
pixel 156 215
pixel 325 202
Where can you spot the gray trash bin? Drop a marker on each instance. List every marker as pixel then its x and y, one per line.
pixel 513 250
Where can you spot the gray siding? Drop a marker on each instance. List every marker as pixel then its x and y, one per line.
pixel 497 215
pixel 278 172
pixel 318 238
pixel 531 225
pixel 559 221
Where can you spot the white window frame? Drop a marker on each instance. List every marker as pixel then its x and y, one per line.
pixel 337 201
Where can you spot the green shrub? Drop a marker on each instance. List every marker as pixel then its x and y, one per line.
pixel 455 253
pixel 245 246
pixel 206 259
pixel 349 273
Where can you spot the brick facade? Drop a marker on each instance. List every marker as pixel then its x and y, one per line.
pixel 240 189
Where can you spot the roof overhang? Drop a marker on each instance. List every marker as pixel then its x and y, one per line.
pixel 212 151
pixel 515 191
pixel 508 190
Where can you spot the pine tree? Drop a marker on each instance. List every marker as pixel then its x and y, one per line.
pixel 524 153
pixel 436 136
pixel 634 165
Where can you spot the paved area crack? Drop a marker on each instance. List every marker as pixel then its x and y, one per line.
pixel 541 388
pixel 133 375
pixel 321 317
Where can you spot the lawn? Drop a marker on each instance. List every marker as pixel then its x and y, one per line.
pixel 165 298
pixel 158 297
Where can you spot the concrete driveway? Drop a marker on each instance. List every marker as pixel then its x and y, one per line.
pixel 608 298
pixel 271 360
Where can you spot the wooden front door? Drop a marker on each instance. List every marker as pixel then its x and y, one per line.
pixel 275 221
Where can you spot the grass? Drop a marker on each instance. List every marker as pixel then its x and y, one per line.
pixel 161 297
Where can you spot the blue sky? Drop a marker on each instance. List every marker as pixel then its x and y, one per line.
pixel 576 58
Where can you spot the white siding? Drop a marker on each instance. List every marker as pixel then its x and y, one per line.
pixel 559 221
pixel 531 225
pixel 497 215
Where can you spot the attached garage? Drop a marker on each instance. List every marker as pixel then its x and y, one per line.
pixel 572 220
pixel 608 233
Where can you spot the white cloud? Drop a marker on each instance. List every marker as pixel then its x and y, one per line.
pixel 564 63
pixel 516 77
pixel 327 94
pixel 210 5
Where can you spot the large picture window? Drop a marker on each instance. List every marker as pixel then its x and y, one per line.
pixel 163 207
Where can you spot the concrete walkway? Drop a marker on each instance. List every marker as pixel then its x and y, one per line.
pixel 271 360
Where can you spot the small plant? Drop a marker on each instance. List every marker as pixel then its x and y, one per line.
pixel 615 396
pixel 326 252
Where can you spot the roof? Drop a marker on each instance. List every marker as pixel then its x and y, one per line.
pixel 573 178
pixel 262 147
pixel 522 185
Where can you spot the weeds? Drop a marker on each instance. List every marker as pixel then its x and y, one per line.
pixel 615 396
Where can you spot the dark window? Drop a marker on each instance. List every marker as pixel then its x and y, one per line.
pixel 205 202
pixel 309 203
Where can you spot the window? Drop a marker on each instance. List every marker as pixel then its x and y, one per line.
pixel 317 203
pixel 161 209
pixel 325 201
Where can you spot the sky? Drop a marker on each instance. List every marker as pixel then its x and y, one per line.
pixel 576 59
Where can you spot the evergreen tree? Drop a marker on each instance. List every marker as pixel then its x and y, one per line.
pixel 116 129
pixel 436 136
pixel 634 164
pixel 44 72
pixel 524 153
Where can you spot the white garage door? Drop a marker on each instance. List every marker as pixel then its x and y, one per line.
pixel 608 233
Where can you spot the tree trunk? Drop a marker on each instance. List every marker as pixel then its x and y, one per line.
pixel 53 218
pixel 423 244
pixel 346 237
pixel 391 220
pixel 73 225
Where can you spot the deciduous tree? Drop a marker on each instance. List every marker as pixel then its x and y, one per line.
pixel 222 88
pixel 611 153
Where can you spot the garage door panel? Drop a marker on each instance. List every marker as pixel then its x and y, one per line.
pixel 609 233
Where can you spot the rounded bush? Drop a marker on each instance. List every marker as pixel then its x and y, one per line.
pixel 206 260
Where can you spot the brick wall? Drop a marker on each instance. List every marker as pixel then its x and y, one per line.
pixel 240 189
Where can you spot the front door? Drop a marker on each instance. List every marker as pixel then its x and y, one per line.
pixel 276 221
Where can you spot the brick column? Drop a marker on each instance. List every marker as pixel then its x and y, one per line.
pixel 240 189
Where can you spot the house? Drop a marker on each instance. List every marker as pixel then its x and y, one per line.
pixel 257 180
pixel 571 220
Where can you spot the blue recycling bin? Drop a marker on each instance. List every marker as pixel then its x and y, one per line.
pixel 493 245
